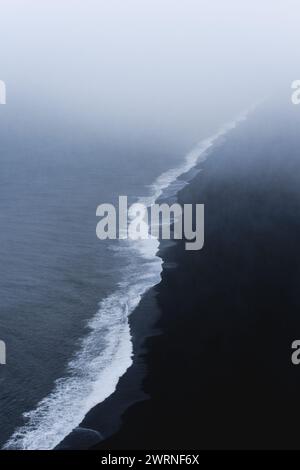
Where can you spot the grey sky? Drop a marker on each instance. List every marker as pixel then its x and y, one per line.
pixel 167 65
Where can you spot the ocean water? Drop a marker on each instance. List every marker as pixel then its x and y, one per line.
pixel 65 295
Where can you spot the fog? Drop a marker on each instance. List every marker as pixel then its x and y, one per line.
pixel 172 69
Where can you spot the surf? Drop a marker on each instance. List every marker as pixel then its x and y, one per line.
pixel 106 351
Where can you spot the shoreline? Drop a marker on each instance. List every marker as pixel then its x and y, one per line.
pixel 104 420
pixel 220 375
pixel 142 325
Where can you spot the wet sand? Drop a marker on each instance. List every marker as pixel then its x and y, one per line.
pixel 219 373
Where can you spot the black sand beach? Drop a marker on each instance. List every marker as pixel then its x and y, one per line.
pixel 219 375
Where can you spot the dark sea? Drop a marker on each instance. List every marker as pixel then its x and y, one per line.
pixel 65 296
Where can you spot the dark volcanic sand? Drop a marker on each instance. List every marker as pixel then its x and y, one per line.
pixel 220 374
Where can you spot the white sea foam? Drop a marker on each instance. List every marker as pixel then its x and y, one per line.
pixel 106 352
pixel 197 155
